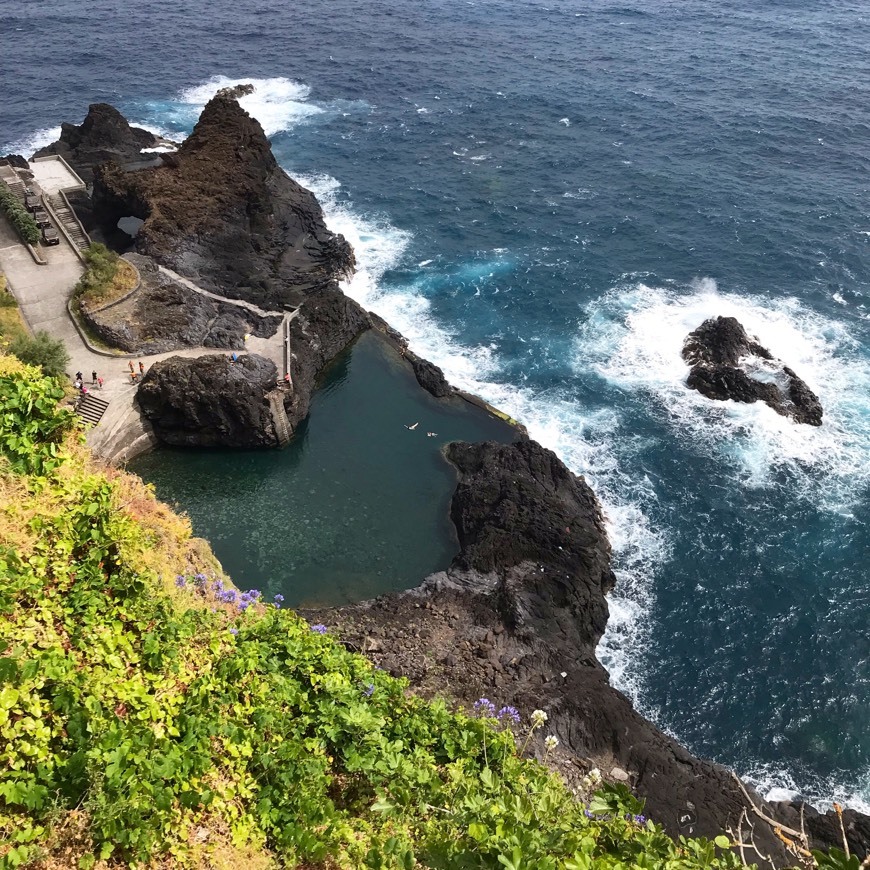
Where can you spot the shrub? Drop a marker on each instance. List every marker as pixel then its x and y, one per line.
pixel 41 350
pixel 107 276
pixel 19 217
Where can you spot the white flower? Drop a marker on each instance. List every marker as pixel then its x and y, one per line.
pixel 551 742
pixel 538 718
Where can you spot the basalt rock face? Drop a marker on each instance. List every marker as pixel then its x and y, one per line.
pixel 209 401
pixel 517 618
pixel 727 364
pixel 104 135
pixel 221 212
pixel 163 315
pixel 325 323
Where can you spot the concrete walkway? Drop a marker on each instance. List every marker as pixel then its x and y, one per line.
pixel 42 293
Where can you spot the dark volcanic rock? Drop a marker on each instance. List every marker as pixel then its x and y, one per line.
pixel 104 135
pixel 208 401
pixel 222 212
pixel 325 323
pixel 428 375
pixel 727 364
pixel 164 315
pixel 15 160
pixel 517 617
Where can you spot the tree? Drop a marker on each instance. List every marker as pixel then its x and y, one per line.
pixel 41 350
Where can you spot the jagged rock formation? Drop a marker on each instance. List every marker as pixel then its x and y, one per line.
pixel 326 322
pixel 727 364
pixel 209 401
pixel 223 213
pixel 517 617
pixel 104 135
pixel 163 315
pixel 15 160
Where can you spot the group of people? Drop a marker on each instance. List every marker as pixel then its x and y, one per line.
pixel 96 381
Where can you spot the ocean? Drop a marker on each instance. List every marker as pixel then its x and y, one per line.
pixel 546 197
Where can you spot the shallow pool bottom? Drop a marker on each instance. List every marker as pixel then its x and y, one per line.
pixel 355 506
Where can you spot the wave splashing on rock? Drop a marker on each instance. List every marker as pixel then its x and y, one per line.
pixel 728 364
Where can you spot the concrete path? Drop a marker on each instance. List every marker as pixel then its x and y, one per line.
pixel 42 293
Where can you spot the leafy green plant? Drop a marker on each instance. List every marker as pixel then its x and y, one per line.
pixel 41 350
pixel 21 219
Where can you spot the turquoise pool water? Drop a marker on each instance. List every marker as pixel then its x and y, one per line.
pixel 355 506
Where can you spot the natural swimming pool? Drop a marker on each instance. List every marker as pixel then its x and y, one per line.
pixel 355 506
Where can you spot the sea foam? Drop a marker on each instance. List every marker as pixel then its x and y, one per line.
pixel 634 336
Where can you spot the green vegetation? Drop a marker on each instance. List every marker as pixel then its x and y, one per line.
pixel 11 324
pixel 41 350
pixel 19 217
pixel 151 714
pixel 107 277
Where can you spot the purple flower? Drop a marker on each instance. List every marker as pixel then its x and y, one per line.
pixel 509 713
pixel 234 631
pixel 253 594
pixel 200 580
pixel 279 598
pixel 640 820
pixel 319 628
pixel 228 597
pixel 485 707
pixel 589 814
pixel 369 690
pixel 180 582
pixel 218 587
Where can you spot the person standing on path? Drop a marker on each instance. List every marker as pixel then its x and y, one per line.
pixel 93 378
pixel 79 376
pixel 100 383
pixel 141 367
pixel 130 363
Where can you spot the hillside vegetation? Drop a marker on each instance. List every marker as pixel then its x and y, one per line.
pixel 153 715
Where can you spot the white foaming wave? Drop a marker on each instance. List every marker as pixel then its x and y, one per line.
pixel 277 103
pixel 33 142
pixel 777 784
pixel 634 339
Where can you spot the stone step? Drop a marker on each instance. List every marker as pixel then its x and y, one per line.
pixel 91 409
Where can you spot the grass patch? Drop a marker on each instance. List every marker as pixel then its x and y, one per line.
pixel 107 278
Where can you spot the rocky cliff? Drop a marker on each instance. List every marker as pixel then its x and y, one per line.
pixel 104 135
pixel 222 212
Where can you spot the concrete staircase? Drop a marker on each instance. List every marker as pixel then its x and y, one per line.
pixel 91 409
pixel 279 417
pixel 66 216
pixel 15 184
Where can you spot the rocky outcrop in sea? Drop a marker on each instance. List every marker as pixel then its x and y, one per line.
pixel 105 135
pixel 728 364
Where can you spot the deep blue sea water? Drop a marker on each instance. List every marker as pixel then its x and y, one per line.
pixel 546 197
